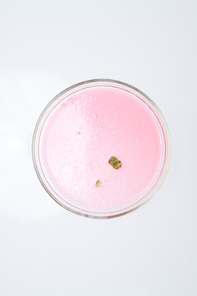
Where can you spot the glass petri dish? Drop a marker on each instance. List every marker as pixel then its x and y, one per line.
pixel 101 148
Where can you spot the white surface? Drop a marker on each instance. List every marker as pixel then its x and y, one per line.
pixel 46 47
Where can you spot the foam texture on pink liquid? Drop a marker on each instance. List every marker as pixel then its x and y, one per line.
pixel 85 132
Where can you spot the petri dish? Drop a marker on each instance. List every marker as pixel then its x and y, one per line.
pixel 101 148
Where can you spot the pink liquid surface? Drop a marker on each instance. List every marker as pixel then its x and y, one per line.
pixel 85 131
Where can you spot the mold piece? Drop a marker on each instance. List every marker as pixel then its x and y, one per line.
pixel 115 162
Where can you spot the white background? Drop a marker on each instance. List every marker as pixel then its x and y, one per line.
pixel 46 46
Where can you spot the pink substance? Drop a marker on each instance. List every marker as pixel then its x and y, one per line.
pixel 85 132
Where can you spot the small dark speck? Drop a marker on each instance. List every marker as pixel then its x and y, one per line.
pixel 98 183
